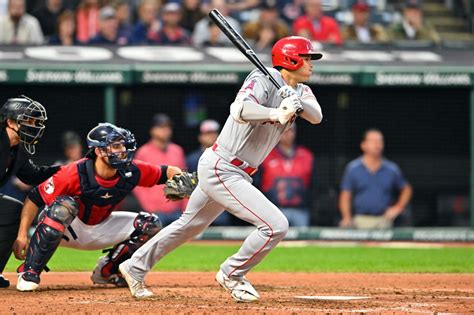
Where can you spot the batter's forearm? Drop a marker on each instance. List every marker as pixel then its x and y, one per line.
pixel 312 110
pixel 248 111
pixel 28 214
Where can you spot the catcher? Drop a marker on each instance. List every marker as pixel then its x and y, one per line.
pixel 78 204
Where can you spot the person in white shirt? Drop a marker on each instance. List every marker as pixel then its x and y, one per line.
pixel 18 27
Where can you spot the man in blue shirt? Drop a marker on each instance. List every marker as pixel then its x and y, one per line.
pixel 373 189
pixel 108 29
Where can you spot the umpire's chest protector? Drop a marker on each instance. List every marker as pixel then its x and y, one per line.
pixel 96 196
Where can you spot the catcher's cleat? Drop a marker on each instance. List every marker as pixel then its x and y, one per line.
pixel 98 277
pixel 27 281
pixel 4 283
pixel 137 288
pixel 240 289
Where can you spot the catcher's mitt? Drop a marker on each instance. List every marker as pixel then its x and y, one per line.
pixel 180 186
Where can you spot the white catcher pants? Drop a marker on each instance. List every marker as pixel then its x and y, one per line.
pixel 221 186
pixel 115 229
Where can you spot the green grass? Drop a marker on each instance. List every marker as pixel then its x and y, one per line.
pixel 198 257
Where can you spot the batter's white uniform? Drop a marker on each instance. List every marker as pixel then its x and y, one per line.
pixel 224 185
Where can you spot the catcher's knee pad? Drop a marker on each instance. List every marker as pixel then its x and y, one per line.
pixel 146 225
pixel 63 210
pixel 48 234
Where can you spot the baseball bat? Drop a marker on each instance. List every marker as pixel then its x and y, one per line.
pixel 243 46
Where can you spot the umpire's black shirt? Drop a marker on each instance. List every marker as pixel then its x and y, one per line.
pixel 16 161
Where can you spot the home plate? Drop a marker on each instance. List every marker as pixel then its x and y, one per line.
pixel 331 297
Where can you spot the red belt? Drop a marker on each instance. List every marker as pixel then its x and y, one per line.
pixel 249 170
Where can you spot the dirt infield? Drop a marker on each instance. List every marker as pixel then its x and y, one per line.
pixel 196 292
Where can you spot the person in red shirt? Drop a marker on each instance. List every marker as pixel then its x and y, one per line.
pixel 160 150
pixel 87 20
pixel 316 26
pixel 78 206
pixel 286 178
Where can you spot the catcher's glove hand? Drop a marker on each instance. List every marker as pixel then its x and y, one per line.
pixel 180 186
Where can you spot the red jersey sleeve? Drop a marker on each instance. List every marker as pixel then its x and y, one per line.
pixel 61 183
pixel 149 173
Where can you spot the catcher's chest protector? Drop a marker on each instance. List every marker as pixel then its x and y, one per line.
pixel 95 196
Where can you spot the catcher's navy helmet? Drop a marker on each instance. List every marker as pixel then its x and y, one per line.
pixel 30 117
pixel 105 134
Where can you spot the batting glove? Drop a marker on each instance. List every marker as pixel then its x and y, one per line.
pixel 286 91
pixel 288 107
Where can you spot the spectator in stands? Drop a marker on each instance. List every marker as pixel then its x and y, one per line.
pixel 47 16
pixel 362 30
pixel 373 190
pixel 266 30
pixel 214 38
pixel 148 25
pixel 171 32
pixel 208 132
pixel 18 27
pixel 3 7
pixel 71 4
pixel 108 28
pixel 66 34
pixel 243 10
pixel 87 16
pixel 35 5
pixel 286 178
pixel 316 26
pixel 191 14
pixel 412 26
pixel 290 10
pixel 72 148
pixel 122 12
pixel 202 31
pixel 160 151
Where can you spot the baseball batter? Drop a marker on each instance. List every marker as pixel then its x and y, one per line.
pixel 258 117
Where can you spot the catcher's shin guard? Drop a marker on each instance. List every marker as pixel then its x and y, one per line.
pixel 47 236
pixel 146 225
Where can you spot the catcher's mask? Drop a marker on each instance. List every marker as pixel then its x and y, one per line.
pixel 29 115
pixel 117 143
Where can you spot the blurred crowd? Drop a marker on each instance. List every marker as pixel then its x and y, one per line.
pixel 185 22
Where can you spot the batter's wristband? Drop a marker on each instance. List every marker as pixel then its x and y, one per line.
pixel 164 176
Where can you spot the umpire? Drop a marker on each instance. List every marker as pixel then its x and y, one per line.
pixel 22 123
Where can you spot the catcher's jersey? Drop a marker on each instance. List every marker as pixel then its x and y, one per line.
pixel 252 142
pixel 67 181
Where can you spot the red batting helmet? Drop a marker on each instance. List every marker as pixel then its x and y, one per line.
pixel 287 52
